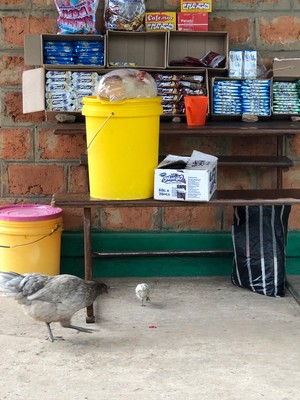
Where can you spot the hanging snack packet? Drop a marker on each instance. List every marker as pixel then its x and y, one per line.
pixel 76 16
pixel 124 15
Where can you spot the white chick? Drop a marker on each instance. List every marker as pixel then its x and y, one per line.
pixel 142 292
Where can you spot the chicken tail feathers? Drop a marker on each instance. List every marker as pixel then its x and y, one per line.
pixel 10 282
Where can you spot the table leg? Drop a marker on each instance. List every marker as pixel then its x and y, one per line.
pixel 88 266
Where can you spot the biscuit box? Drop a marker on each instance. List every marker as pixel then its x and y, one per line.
pixel 186 178
pixel 192 21
pixel 196 5
pixel 160 21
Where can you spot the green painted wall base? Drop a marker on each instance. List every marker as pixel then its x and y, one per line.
pixel 72 260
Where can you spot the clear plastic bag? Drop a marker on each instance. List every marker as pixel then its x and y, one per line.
pixel 124 15
pixel 126 83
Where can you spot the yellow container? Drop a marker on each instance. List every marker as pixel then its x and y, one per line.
pixel 122 143
pixel 30 238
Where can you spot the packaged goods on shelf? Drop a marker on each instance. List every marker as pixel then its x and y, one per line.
pixel 286 97
pixel 160 21
pixel 123 15
pixel 64 90
pixel 192 21
pixel 245 96
pixel 243 64
pixel 196 6
pixel 172 87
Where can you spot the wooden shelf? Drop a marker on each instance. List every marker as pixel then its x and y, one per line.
pixel 215 128
pixel 239 161
pixel 221 197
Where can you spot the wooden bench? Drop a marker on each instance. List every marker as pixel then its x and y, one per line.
pixel 261 197
pixel 278 129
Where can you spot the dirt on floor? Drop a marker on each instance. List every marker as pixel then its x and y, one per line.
pixel 198 338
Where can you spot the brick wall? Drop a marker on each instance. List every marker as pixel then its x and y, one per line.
pixel 35 163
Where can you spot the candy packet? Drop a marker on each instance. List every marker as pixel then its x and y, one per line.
pixel 76 16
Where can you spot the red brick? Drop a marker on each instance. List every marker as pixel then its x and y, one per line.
pixel 294 146
pixel 12 2
pixel 266 178
pixel 79 180
pixel 189 218
pixel 11 68
pixel 53 146
pixel 14 109
pixel 239 30
pixel 44 4
pixel 15 143
pixel 280 30
pixel 291 179
pixel 35 179
pixel 247 146
pixel 294 218
pixel 139 218
pixel 235 178
pixel 72 218
pixel 185 145
pixel 172 3
pixel 15 28
pixel 227 218
pixel 250 2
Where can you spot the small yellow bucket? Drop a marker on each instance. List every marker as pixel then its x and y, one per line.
pixel 122 146
pixel 30 238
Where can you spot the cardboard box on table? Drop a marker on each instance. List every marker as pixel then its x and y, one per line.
pixel 186 178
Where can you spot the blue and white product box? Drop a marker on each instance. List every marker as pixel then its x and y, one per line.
pixel 250 64
pixel 236 63
pixel 186 178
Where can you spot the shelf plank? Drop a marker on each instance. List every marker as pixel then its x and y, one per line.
pixel 216 128
pixel 238 161
pixel 221 197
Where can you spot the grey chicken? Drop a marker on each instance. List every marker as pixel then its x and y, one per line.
pixel 51 298
pixel 142 292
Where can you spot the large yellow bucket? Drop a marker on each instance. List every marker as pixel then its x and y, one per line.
pixel 30 238
pixel 122 146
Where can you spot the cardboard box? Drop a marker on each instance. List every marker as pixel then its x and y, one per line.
pixel 286 67
pixel 196 5
pixel 197 44
pixel 144 49
pixel 196 180
pixel 34 91
pixel 34 49
pixel 192 21
pixel 160 21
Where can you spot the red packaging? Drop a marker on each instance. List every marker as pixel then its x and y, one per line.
pixel 192 21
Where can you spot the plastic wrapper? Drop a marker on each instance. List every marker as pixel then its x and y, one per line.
pixel 76 16
pixel 124 15
pixel 126 84
pixel 259 235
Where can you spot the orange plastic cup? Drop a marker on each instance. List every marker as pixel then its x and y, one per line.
pixel 196 109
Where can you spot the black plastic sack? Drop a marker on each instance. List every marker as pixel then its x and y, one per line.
pixel 259 236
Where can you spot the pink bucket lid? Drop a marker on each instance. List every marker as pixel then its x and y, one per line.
pixel 29 212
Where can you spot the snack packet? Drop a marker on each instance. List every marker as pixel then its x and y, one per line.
pixel 76 16
pixel 124 15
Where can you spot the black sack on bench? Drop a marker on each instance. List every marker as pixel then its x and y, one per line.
pixel 259 236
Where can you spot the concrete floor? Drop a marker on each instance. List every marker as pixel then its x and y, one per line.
pixel 200 338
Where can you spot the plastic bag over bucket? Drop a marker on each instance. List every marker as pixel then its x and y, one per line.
pixel 259 235
pixel 122 146
pixel 30 238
